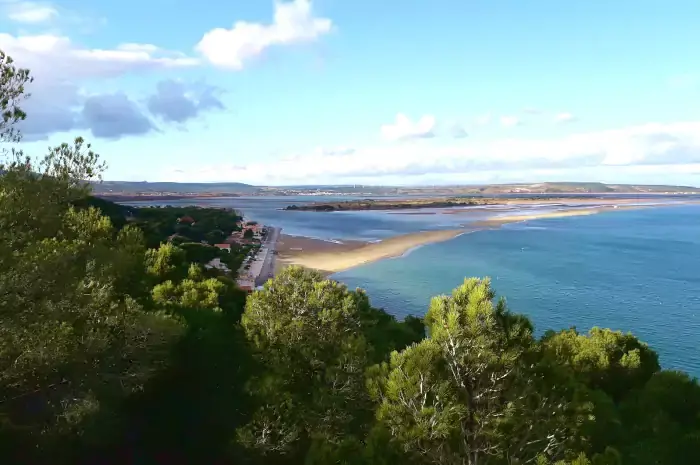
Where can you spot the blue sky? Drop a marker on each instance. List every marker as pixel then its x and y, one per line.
pixel 330 91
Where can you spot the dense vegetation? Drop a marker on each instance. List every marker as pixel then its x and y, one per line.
pixel 420 203
pixel 114 352
pixel 210 225
pixel 142 187
pixel 370 204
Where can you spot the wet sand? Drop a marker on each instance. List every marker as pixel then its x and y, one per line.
pixel 518 204
pixel 329 257
pixel 501 220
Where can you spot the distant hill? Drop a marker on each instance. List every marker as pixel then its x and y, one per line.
pixel 131 187
pixel 121 190
pixel 584 188
pixel 549 188
pixel 577 188
pixel 484 189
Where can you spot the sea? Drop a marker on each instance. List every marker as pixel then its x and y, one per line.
pixel 629 270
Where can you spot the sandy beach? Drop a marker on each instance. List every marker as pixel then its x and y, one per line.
pixel 330 257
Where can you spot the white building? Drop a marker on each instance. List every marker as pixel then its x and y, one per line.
pixel 216 264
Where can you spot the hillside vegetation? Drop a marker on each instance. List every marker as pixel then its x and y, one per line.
pixel 114 352
pixel 127 187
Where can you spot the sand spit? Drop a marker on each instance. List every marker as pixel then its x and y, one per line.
pixel 331 257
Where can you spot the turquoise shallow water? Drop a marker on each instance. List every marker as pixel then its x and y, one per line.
pixel 631 270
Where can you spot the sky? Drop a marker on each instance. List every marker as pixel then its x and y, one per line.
pixel 411 92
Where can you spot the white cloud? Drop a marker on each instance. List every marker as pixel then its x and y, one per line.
pixel 565 118
pixel 53 57
pixel 31 12
pixel 403 128
pixel 60 68
pixel 510 121
pixel 483 120
pixel 628 150
pixel 293 22
pixel 50 14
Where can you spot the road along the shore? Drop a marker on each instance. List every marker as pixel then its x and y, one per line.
pixel 267 269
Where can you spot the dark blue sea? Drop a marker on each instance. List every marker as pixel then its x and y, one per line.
pixel 633 270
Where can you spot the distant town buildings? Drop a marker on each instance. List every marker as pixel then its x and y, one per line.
pixel 238 237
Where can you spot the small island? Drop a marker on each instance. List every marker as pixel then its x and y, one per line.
pixel 369 204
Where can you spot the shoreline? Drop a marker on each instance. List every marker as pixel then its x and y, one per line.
pixel 332 257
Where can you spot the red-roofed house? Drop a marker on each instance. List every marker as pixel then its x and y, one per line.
pixel 247 288
pixel 247 285
pixel 186 220
pixel 226 247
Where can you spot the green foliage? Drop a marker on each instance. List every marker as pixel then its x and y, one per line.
pixel 468 393
pixel 248 234
pixel 189 293
pixel 166 263
pixel 196 252
pixel 116 213
pixel 305 331
pixel 384 333
pixel 215 236
pixel 190 411
pixel 73 343
pixel 12 82
pixel 607 360
pixel 662 421
pixel 211 225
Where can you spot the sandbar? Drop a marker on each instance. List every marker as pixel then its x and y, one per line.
pixel 331 257
pixel 505 219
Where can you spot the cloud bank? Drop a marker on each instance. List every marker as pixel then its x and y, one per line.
pixel 650 146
